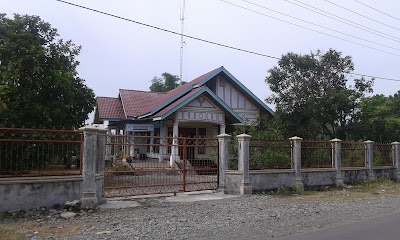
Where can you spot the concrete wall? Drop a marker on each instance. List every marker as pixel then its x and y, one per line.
pixel 267 180
pixel 35 192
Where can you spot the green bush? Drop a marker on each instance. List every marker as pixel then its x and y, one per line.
pixel 353 158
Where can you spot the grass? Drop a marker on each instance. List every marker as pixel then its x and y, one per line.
pixel 378 188
pixel 22 229
pixel 381 187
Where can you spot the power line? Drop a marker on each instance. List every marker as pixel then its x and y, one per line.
pixel 343 20
pixel 310 29
pixel 166 30
pixel 203 40
pixel 382 78
pixel 359 14
pixel 377 10
pixel 318 25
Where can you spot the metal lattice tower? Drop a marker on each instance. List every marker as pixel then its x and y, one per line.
pixel 182 17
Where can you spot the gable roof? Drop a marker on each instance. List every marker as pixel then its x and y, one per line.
pixel 109 108
pixel 190 97
pixel 135 102
pixel 176 93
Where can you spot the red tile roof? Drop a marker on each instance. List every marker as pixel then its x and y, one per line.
pixel 110 108
pixel 136 102
pixel 175 92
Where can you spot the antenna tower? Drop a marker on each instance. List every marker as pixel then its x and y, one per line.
pixel 182 40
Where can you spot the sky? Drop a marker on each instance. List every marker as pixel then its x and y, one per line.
pixel 118 54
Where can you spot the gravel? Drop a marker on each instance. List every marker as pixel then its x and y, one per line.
pixel 247 217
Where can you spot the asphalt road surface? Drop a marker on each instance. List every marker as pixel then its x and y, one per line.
pixel 379 228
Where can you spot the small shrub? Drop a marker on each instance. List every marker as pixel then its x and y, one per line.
pixel 283 191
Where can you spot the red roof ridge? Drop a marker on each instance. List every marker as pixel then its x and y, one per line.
pixel 133 90
pixel 106 97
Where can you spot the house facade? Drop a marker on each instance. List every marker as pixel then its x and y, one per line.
pixel 202 108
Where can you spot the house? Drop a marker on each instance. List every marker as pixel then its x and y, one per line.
pixel 202 108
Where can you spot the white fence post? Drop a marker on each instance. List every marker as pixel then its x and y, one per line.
pixel 337 158
pixel 244 163
pixel 396 159
pixel 223 146
pixel 369 159
pixel 296 159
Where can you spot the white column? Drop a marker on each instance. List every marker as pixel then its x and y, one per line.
pixel 175 148
pixel 151 146
pixel 163 142
pixel 214 132
pixel 222 129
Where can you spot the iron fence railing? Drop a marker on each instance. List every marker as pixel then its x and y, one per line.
pixel 316 154
pixel 40 152
pixel 383 154
pixel 270 154
pixel 353 154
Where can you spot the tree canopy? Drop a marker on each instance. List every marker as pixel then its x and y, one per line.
pixel 40 84
pixel 380 118
pixel 313 96
pixel 165 83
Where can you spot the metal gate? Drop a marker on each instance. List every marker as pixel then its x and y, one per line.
pixel 141 165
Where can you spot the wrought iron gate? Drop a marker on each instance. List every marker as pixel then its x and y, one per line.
pixel 140 165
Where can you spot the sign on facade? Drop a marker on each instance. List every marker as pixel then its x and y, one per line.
pixel 140 127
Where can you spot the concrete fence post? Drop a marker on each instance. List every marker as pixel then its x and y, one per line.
pixel 89 167
pixel 296 159
pixel 101 153
pixel 337 159
pixel 223 140
pixel 244 163
pixel 396 159
pixel 369 159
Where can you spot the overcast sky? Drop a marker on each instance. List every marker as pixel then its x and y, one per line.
pixel 117 54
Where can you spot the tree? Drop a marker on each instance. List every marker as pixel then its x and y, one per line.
pixel 165 83
pixel 380 118
pixel 39 73
pixel 312 95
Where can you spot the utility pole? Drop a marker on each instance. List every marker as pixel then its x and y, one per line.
pixel 182 40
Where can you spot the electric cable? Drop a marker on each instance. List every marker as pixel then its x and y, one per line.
pixel 398 19
pixel 343 20
pixel 359 14
pixel 207 41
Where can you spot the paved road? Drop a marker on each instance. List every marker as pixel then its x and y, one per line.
pixel 385 227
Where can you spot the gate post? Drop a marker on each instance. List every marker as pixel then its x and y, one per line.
pixel 296 159
pixel 244 163
pixel 90 153
pixel 223 164
pixel 337 159
pixel 101 153
pixel 369 159
pixel 396 160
